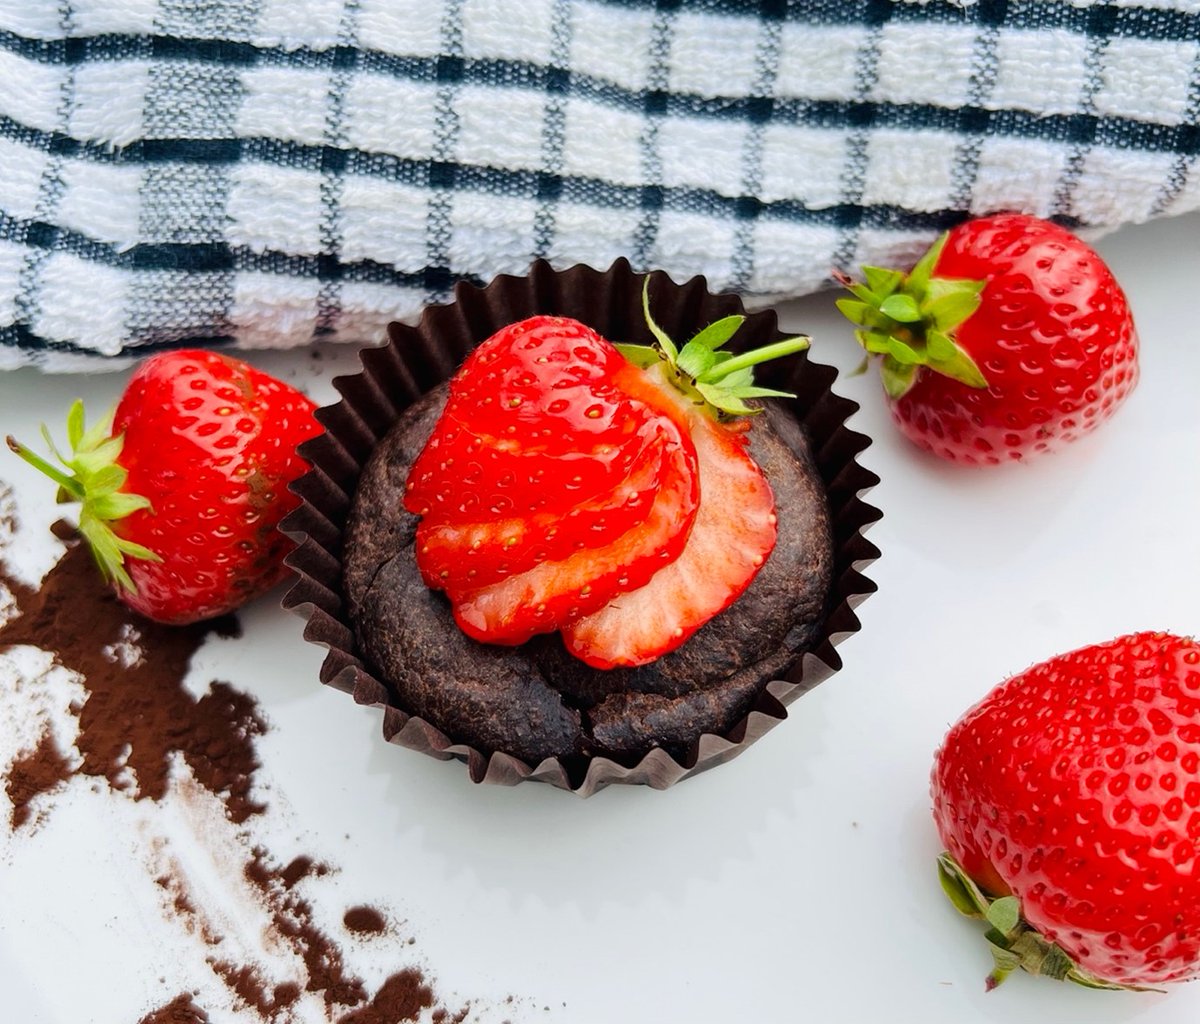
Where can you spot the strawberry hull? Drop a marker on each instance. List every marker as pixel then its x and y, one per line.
pixel 420 358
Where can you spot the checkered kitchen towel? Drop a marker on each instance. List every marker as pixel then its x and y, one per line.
pixel 270 171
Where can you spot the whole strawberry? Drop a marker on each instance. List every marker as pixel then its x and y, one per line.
pixel 1069 803
pixel 183 487
pixel 1008 338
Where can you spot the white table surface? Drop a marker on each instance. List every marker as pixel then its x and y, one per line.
pixel 796 883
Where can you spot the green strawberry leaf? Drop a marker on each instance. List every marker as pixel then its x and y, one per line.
pixel 901 307
pixel 717 333
pixel 97 433
pixel 875 344
pixel 939 347
pixel 107 479
pixel 1078 976
pixel 706 372
pixel 87 463
pixel 882 281
pixel 951 302
pixel 75 424
pixel 919 276
pixel 897 377
pixel 94 478
pixel 739 378
pixel 45 432
pixel 727 403
pixel 862 291
pixel 960 890
pixel 956 363
pixel 696 359
pixel 111 507
pixel 753 391
pixel 910 319
pixel 640 355
pixel 1012 941
pixel 1049 958
pixel 1004 914
pixel 904 353
pixel 661 336
pixel 855 310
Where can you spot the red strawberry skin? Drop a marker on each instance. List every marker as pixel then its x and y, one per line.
pixel 534 423
pixel 211 441
pixel 1076 787
pixel 555 478
pixel 1053 337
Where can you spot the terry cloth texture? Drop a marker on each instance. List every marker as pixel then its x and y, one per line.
pixel 266 172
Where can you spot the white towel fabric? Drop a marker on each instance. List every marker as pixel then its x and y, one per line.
pixel 266 172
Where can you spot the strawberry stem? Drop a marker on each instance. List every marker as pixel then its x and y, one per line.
pixel 759 355
pixel 720 381
pixel 67 483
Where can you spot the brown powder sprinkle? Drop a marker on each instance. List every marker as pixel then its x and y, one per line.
pixel 292 915
pixel 365 921
pixel 180 1010
pixel 135 716
pixel 247 983
pixel 138 712
pixel 38 771
pixel 402 997
pixel 21 593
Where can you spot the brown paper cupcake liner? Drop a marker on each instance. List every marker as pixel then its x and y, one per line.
pixel 416 359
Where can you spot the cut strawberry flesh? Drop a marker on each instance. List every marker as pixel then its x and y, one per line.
pixel 458 555
pixel 545 597
pixel 733 534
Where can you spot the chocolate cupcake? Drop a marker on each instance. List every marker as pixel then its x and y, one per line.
pixel 532 708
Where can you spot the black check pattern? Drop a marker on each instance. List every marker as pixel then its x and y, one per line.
pixel 188 221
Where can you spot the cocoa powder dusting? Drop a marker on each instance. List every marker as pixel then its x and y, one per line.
pixel 21 593
pixel 137 712
pixel 180 1010
pixel 292 915
pixel 136 716
pixel 180 900
pixel 364 921
pixel 402 997
pixel 253 991
pixel 36 772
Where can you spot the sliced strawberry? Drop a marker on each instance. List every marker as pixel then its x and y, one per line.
pixel 533 423
pixel 543 598
pixel 456 555
pixel 563 478
pixel 732 537
pixel 465 476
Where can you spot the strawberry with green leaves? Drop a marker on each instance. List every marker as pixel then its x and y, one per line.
pixel 602 490
pixel 183 487
pixel 1068 802
pixel 1009 337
